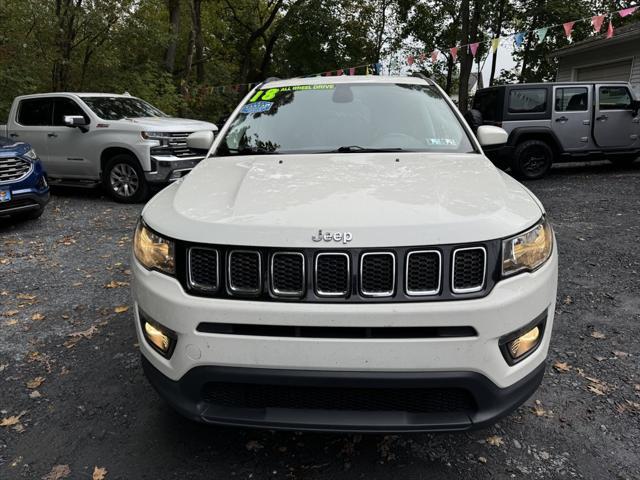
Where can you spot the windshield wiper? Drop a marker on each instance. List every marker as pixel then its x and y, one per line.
pixel 359 149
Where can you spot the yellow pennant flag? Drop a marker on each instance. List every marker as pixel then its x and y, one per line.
pixel 495 43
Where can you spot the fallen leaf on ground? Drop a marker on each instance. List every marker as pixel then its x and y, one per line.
pixel 35 394
pixel 25 296
pixel 561 367
pixel 482 459
pixel 10 313
pixel 37 317
pixel 568 300
pixel 116 284
pixel 10 323
pixel 618 353
pixel 495 440
pixel 88 333
pixel 538 410
pixel 121 309
pixel 11 421
pixel 35 383
pixel 597 388
pixel 598 335
pixel 3 366
pixel 99 473
pixel 58 472
pixel 253 445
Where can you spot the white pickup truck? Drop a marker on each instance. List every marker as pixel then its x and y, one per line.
pixel 120 141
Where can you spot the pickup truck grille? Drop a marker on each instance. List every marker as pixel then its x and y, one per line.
pixel 13 169
pixel 403 274
pixel 175 146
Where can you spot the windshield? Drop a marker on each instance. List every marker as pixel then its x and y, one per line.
pixel 117 108
pixel 345 118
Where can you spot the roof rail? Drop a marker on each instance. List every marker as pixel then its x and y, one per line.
pixel 423 77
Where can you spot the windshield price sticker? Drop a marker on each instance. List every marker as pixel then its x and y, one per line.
pixel 256 107
pixel 271 93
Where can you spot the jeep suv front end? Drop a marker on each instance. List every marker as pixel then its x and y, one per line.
pixel 346 259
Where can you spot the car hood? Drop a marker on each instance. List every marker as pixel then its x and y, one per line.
pixel 169 124
pixel 381 199
pixel 12 148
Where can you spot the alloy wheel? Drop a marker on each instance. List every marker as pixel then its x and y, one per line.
pixel 124 180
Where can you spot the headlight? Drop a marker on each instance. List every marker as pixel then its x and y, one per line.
pixel 155 135
pixel 154 251
pixel 527 251
pixel 31 154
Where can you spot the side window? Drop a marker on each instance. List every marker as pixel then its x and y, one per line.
pixel 615 98
pixel 35 112
pixel 486 102
pixel 65 106
pixel 528 100
pixel 572 99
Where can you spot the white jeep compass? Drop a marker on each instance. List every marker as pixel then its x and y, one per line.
pixel 347 259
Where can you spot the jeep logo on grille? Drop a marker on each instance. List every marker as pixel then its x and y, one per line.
pixel 344 237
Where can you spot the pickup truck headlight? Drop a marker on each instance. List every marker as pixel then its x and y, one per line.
pixel 528 250
pixel 154 251
pixel 31 154
pixel 155 135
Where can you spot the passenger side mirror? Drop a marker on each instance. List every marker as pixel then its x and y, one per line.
pixel 200 140
pixel 75 121
pixel 490 135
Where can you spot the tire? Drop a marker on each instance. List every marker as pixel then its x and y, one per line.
pixel 124 181
pixel 532 160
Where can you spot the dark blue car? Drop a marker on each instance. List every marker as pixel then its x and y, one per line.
pixel 24 190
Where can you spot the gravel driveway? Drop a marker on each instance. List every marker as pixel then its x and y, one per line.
pixel 73 397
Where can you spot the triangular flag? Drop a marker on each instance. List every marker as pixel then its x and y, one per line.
pixel 495 43
pixel 339 72
pixel 352 71
pixel 434 56
pixel 627 11
pixel 454 53
pixel 423 56
pixel 568 28
pixel 597 22
pixel 474 48
pixel 518 39
pixel 541 33
pixel 410 60
pixel 367 72
pixel 610 30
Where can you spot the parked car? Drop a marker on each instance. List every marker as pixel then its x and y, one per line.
pixel 346 258
pixel 24 191
pixel 117 140
pixel 552 122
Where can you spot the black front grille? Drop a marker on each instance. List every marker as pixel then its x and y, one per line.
pixel 414 400
pixel 287 274
pixel 354 275
pixel 204 267
pixel 175 145
pixel 12 169
pixel 332 274
pixel 423 272
pixel 468 269
pixel 245 272
pixel 378 274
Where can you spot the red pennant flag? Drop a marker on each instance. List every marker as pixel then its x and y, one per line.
pixel 610 30
pixel 434 56
pixel 339 72
pixel 352 71
pixel 423 56
pixel 627 11
pixel 568 28
pixel 454 53
pixel 597 22
pixel 410 60
pixel 474 48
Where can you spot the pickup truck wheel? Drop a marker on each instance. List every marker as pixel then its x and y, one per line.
pixel 124 180
pixel 532 160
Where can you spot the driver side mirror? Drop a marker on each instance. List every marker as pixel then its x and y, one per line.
pixel 75 121
pixel 490 135
pixel 200 140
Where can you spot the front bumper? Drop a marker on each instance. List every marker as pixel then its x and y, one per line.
pixel 31 193
pixel 472 363
pixel 169 168
pixel 487 403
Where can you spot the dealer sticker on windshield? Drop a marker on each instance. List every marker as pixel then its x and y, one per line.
pixel 256 107
pixel 5 195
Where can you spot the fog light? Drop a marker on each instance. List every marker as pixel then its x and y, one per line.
pixel 520 344
pixel 160 338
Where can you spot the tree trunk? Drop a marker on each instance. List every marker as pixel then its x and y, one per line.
pixel 465 57
pixel 449 83
pixel 67 30
pixel 527 46
pixel 199 40
pixel 497 30
pixel 174 31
